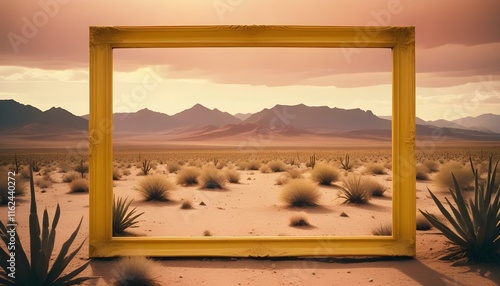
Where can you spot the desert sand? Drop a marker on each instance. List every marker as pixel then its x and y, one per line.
pixel 252 208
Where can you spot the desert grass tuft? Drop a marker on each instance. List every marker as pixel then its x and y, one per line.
pixel 173 167
pixel 70 177
pixel 422 223
pixel 155 188
pixel 462 174
pixel 376 169
pixel 4 187
pixel 188 176
pixel 300 193
pixel 187 205
pixel 422 172
pixel 136 270
pixel 43 183
pixel 377 189
pixel 431 165
pixel 116 174
pixel 356 189
pixel 325 174
pixel 79 186
pixel 276 166
pixel 383 229
pixel 211 178
pixel 299 220
pixel 232 176
pixel 264 169
pixel 254 165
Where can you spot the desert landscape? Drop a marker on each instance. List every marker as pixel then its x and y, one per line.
pixel 206 176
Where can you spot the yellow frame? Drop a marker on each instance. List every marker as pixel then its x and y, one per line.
pixel 104 39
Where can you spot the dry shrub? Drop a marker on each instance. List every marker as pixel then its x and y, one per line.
pixel 187 205
pixel 116 174
pixel 300 193
pixel 173 167
pixel 4 187
pixel 71 176
pixel 299 220
pixel 254 165
pixel 79 186
pixel 135 271
pixel 462 173
pixel 277 166
pixel 431 165
pixel 188 176
pixel 232 176
pixel 376 188
pixel 356 190
pixel 282 179
pixel 422 223
pixel 155 188
pixel 126 172
pixel 383 229
pixel 265 169
pixel 211 178
pixel 375 169
pixel 43 183
pixel 294 173
pixel 422 172
pixel 325 174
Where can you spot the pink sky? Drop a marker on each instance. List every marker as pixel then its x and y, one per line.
pixel 458 49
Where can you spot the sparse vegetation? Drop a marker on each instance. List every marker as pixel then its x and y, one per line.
pixel 82 168
pixel 211 178
pixel 79 186
pixel 432 166
pixel 356 190
pixel 173 167
pixel 325 174
pixel 377 189
pixel 376 169
pixel 345 163
pixel 116 174
pixel 276 166
pixel 422 223
pixel 135 270
pixel 42 239
pixel 300 193
pixel 422 172
pixel 155 188
pixel 232 176
pixel 188 176
pixel 383 229
pixel 299 220
pixel 462 174
pixel 145 167
pixel 187 205
pixel 43 183
pixel 70 177
pixel 123 218
pixel 4 187
pixel 474 227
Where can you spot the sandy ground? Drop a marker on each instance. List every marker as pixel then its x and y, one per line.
pixel 268 217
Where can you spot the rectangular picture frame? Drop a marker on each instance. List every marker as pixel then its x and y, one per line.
pixel 104 39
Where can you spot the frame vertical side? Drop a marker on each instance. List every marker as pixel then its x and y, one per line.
pixel 404 134
pixel 100 147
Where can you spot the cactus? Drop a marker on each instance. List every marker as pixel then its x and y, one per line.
pixel 312 161
pixel 146 167
pixel 346 165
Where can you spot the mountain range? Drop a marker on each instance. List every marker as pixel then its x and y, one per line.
pixel 198 123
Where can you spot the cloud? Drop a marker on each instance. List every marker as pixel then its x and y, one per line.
pixel 456 41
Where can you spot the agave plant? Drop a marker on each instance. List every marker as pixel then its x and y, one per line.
pixel 122 217
pixel 474 226
pixel 41 246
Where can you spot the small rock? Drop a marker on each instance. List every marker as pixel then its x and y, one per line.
pixel 349 271
pixel 180 276
pixel 202 204
pixel 273 266
pixel 370 280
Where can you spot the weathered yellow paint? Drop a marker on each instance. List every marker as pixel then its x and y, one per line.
pixel 104 39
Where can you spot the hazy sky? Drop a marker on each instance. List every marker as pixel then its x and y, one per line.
pixel 44 56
